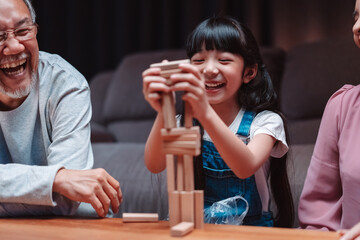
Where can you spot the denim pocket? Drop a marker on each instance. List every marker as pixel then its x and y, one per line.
pixel 221 184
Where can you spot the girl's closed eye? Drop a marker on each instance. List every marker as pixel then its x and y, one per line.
pixel 225 60
pixel 197 61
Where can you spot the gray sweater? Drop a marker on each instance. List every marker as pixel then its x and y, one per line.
pixel 48 131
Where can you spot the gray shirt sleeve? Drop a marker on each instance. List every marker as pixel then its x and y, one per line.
pixel 35 144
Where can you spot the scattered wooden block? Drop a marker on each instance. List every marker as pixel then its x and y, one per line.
pixel 199 209
pixel 182 229
pixel 140 217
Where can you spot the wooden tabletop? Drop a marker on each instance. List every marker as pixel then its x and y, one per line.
pixel 114 228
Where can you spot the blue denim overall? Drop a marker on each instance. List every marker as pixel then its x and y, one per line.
pixel 221 183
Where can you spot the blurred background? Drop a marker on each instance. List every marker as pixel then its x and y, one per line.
pixel 94 35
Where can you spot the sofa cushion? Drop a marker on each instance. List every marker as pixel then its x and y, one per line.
pixel 99 133
pixel 298 163
pixel 125 100
pixel 131 130
pixel 313 72
pixel 143 191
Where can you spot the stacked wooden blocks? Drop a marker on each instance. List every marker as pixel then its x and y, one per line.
pixel 185 204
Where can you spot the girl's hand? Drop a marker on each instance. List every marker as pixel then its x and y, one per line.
pixel 192 83
pixel 153 87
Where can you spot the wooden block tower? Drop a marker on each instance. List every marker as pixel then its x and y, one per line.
pixel 185 204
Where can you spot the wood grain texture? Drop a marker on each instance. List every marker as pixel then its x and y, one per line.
pixel 114 228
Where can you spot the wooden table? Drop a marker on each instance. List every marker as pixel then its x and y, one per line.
pixel 114 228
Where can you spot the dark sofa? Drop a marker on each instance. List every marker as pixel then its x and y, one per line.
pixel 304 77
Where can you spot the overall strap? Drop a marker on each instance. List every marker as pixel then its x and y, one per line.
pixel 244 128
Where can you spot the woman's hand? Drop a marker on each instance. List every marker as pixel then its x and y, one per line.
pixel 153 87
pixel 352 234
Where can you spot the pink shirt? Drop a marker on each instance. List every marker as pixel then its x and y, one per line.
pixel 331 196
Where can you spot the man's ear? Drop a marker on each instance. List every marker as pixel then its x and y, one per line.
pixel 250 73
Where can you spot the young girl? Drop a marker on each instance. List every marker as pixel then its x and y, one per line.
pixel 244 140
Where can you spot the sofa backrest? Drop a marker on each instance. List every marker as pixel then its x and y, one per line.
pixel 313 72
pixel 125 112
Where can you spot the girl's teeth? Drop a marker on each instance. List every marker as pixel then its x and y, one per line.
pixel 212 84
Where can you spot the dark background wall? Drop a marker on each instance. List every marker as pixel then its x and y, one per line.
pixel 94 35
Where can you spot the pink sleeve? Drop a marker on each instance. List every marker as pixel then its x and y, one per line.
pixel 320 201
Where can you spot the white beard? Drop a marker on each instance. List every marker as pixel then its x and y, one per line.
pixel 21 92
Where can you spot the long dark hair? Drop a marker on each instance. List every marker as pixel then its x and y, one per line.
pixel 228 35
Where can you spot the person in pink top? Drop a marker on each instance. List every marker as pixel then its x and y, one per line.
pixel 331 196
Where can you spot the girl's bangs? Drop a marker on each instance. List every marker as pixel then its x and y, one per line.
pixel 221 38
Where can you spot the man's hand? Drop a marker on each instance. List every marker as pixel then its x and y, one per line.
pixel 94 186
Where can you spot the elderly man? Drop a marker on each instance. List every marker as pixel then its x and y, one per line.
pixel 45 150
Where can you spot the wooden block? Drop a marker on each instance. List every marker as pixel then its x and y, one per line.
pixel 174 208
pixel 188 116
pixel 182 151
pixel 182 229
pixel 140 217
pixel 183 137
pixel 189 173
pixel 180 173
pixel 169 112
pixel 168 73
pixel 180 131
pixel 199 209
pixel 170 64
pixel 182 144
pixel 187 206
pixel 170 172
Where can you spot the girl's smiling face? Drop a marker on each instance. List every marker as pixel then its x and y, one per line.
pixel 223 73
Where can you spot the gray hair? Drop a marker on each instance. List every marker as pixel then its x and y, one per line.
pixel 31 9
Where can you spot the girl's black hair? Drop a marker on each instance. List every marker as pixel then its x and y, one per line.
pixel 228 35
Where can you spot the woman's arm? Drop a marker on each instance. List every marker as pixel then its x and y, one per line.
pixel 320 202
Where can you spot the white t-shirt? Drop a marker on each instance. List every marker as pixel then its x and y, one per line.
pixel 265 122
